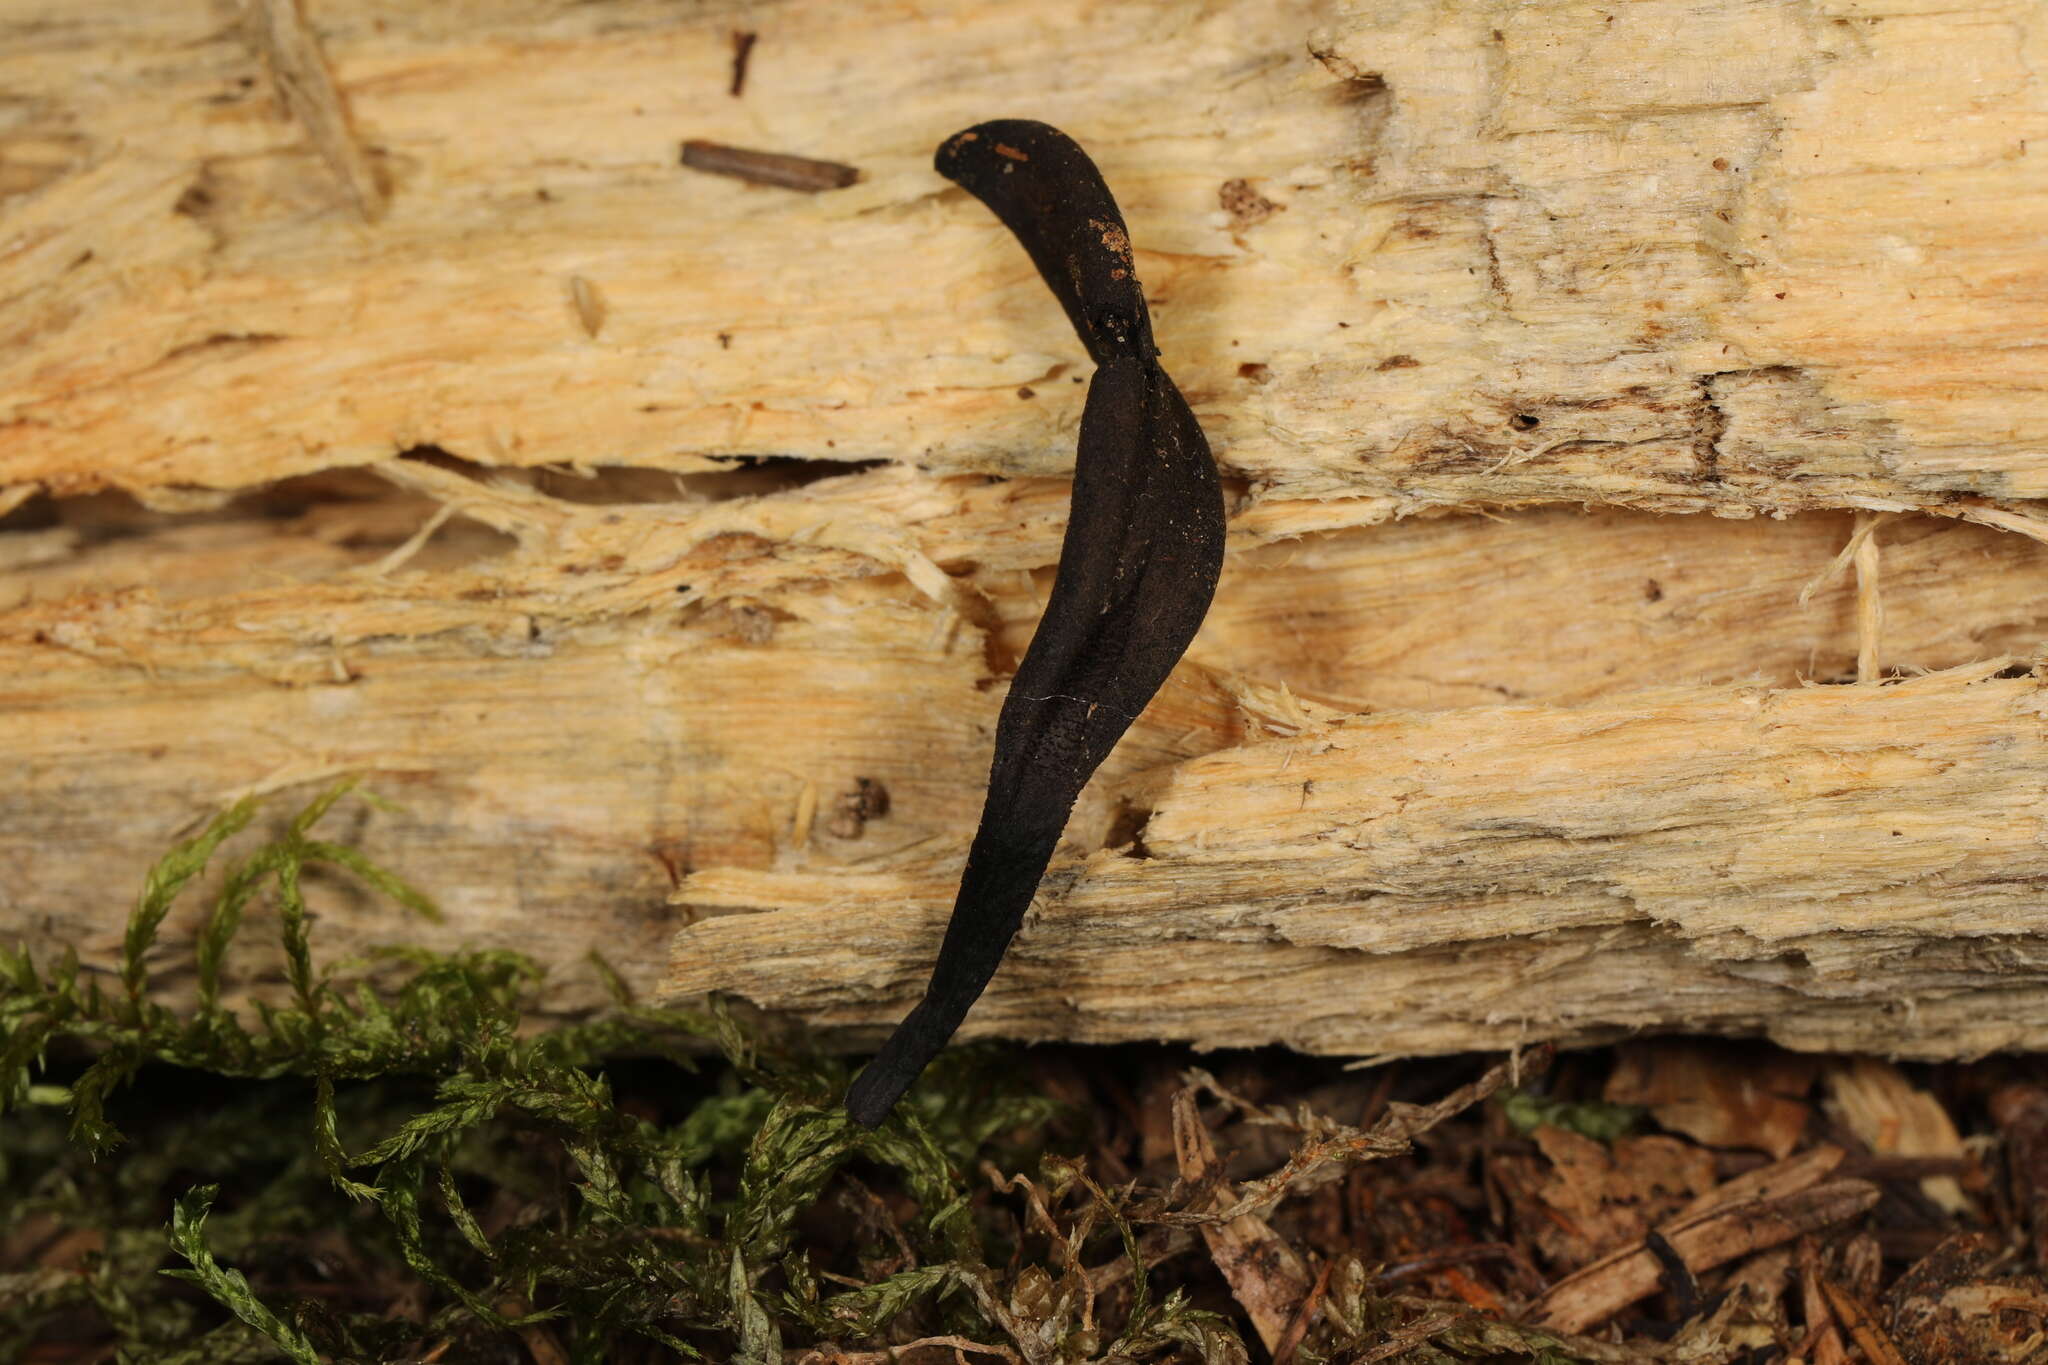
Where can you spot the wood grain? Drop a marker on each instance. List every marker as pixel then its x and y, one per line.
pixel 1712 859
pixel 620 520
pixel 606 719
pixel 1700 254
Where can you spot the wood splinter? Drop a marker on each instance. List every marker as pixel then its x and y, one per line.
pixel 768 168
pixel 743 41
pixel 307 86
pixel 1143 549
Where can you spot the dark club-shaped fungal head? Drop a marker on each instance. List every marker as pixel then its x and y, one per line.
pixel 1046 191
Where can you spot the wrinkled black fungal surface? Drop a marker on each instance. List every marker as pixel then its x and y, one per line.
pixel 1143 548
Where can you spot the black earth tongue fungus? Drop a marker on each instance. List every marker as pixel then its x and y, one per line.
pixel 1143 548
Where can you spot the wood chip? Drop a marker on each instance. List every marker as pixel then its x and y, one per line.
pixel 1877 1103
pixel 1747 1095
pixel 1720 1233
pixel 1870 1338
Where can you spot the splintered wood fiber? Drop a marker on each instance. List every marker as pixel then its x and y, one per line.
pixel 1633 422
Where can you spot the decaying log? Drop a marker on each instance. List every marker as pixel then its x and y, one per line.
pixel 378 394
pixel 1729 255
pixel 1728 859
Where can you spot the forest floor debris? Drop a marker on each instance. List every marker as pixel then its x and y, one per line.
pixel 405 1171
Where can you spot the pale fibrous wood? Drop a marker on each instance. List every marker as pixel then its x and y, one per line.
pixel 1683 254
pixel 378 395
pixel 1824 866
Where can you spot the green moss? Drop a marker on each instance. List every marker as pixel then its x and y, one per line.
pixel 381 1175
pixel 490 1177
pixel 1527 1111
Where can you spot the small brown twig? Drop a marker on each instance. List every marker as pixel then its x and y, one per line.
pixel 768 168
